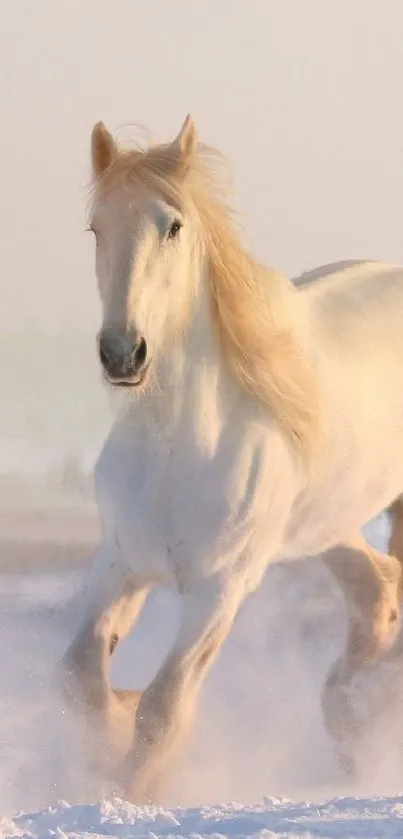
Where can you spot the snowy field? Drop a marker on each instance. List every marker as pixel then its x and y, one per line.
pixel 350 818
pixel 258 739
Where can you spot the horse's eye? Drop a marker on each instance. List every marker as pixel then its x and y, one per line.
pixel 174 229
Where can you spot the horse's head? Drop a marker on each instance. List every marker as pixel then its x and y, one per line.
pixel 162 222
pixel 145 248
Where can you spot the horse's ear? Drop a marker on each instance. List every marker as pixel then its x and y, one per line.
pixel 185 144
pixel 103 149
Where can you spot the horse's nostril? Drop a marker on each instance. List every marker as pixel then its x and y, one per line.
pixel 120 356
pixel 139 353
pixel 103 356
pixel 106 355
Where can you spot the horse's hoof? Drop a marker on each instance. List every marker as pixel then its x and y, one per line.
pixel 128 699
pixel 66 683
pixel 348 765
pixel 80 695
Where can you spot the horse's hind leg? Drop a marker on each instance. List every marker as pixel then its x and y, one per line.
pixel 395 546
pixel 371 585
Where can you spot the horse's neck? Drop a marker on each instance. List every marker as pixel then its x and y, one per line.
pixel 193 391
pixel 195 374
pixel 195 394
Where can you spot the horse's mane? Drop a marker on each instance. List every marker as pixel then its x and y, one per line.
pixel 255 309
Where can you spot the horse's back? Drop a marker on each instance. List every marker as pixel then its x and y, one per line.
pixel 355 329
pixel 327 270
pixel 356 307
pixel 350 280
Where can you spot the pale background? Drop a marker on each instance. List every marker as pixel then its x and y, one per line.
pixel 303 96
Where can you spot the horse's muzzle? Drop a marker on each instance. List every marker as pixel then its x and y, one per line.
pixel 123 357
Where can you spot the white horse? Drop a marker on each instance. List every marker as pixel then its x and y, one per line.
pixel 264 422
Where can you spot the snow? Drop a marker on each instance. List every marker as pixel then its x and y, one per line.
pixel 373 818
pixel 258 732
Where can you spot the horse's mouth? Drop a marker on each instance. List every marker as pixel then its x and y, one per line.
pixel 127 382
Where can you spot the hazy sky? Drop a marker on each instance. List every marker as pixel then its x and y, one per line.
pixel 304 96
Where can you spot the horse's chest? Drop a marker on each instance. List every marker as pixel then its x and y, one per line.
pixel 175 509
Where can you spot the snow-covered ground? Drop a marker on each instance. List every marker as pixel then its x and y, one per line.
pixel 350 818
pixel 258 738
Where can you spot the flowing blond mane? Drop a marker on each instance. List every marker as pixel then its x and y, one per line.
pixel 255 309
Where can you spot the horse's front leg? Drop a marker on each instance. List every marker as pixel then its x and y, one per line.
pixel 166 708
pixel 112 602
